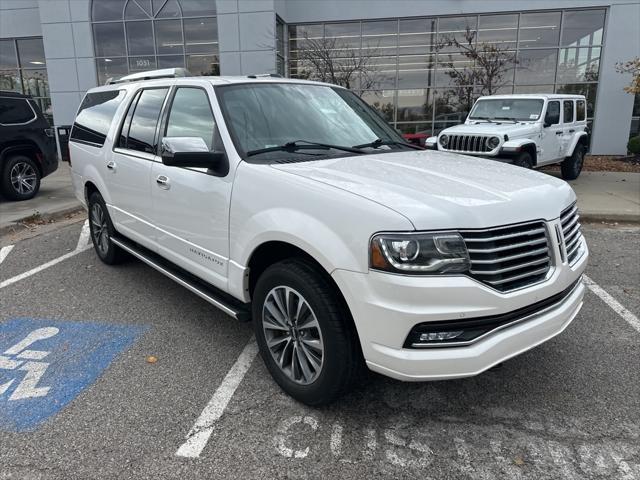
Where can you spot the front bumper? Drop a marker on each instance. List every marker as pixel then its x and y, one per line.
pixel 386 307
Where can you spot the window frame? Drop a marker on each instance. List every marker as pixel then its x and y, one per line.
pixel 87 142
pixel 17 124
pixel 546 112
pixel 135 99
pixel 571 102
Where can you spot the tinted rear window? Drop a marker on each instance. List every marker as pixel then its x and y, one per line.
pixel 95 116
pixel 15 111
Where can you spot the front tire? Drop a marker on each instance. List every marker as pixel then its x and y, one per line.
pixel 572 166
pixel 20 178
pixel 102 231
pixel 524 160
pixel 305 334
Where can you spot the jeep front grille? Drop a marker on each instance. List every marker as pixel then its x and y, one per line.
pixel 571 232
pixel 469 143
pixel 509 257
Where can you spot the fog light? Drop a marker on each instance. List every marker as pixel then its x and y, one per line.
pixel 439 336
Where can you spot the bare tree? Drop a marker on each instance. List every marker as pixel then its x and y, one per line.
pixel 491 65
pixel 330 60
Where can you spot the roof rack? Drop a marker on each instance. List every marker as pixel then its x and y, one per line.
pixel 262 75
pixel 152 75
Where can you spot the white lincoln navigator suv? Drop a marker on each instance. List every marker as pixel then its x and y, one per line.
pixel 293 204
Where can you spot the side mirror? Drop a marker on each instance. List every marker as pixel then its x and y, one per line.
pixel 190 152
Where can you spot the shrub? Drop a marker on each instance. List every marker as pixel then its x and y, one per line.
pixel 634 145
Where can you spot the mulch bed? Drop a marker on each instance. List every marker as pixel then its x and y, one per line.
pixel 607 163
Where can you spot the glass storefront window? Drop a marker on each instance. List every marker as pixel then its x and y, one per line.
pixel 582 28
pixel 536 66
pixel 10 80
pixel 108 39
pixel 539 29
pixel 31 52
pixel 500 30
pixel 8 56
pixel 137 35
pixel 417 54
pixel 456 29
pixel 35 83
pixel 578 65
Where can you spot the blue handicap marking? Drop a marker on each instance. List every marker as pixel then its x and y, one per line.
pixel 45 364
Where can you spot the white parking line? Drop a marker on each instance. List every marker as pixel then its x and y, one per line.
pixel 84 239
pixel 4 251
pixel 630 318
pixel 81 247
pixel 198 436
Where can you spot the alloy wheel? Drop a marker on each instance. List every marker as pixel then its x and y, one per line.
pixel 293 335
pixel 23 178
pixel 99 229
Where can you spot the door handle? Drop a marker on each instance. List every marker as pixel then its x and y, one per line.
pixel 558 133
pixel 111 166
pixel 163 182
pixel 571 131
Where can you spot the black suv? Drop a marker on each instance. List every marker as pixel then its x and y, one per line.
pixel 27 146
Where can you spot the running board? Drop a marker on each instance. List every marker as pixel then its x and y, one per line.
pixel 224 302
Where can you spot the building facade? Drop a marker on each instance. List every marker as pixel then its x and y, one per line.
pixel 422 63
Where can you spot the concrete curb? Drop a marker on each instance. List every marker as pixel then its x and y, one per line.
pixel 610 217
pixel 18 225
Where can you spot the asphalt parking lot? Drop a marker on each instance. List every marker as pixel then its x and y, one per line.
pixel 82 397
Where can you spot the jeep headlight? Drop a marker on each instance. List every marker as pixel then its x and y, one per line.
pixel 419 253
pixel 444 140
pixel 493 142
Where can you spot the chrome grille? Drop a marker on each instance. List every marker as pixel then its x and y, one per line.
pixel 510 257
pixel 468 143
pixel 571 232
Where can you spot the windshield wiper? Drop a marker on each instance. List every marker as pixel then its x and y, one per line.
pixel 482 118
pixel 302 144
pixel 379 142
pixel 506 118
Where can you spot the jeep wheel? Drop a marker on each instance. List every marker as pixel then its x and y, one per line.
pixel 102 230
pixel 304 332
pixel 20 178
pixel 572 166
pixel 524 160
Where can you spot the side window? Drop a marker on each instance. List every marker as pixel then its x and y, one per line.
pixel 567 116
pixel 553 113
pixel 15 111
pixel 142 132
pixel 95 115
pixel 124 131
pixel 581 111
pixel 191 115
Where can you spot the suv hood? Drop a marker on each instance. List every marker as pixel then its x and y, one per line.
pixel 485 128
pixel 439 190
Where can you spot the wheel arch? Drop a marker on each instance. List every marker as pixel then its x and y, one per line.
pixel 27 148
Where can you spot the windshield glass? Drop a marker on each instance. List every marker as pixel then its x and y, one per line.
pixel 520 109
pixel 267 115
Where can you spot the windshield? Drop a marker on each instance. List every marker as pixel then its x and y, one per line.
pixel 517 109
pixel 262 117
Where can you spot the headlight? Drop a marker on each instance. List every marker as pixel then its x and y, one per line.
pixel 419 253
pixel 444 140
pixel 493 142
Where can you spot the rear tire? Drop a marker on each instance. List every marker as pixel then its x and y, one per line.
pixel 524 160
pixel 20 178
pixel 305 333
pixel 102 231
pixel 572 166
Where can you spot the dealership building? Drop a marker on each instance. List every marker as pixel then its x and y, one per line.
pixel 55 50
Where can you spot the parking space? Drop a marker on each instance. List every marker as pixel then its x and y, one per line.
pixel 568 409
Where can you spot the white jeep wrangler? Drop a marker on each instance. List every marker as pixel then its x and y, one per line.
pixel 526 130
pixel 293 204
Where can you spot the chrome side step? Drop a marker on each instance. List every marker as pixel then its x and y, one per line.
pixel 230 306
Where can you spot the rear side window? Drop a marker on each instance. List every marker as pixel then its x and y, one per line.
pixel 568 111
pixel 191 115
pixel 581 111
pixel 553 113
pixel 15 111
pixel 142 132
pixel 94 118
